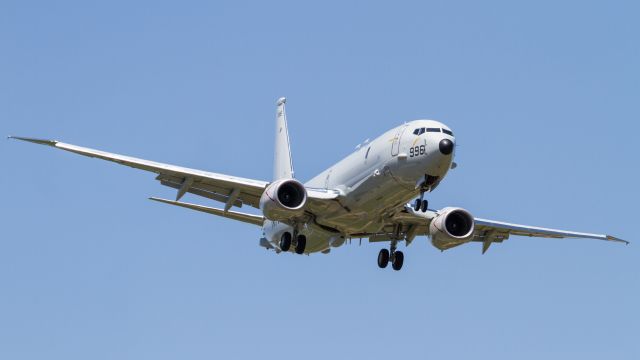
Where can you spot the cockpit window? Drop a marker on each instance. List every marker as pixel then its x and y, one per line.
pixel 448 132
pixel 433 129
pixel 416 131
pixel 421 131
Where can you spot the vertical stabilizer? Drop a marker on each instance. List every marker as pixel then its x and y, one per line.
pixel 282 165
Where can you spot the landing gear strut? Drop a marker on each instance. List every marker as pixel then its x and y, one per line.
pixel 425 185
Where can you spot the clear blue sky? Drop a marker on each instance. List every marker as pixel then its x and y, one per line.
pixel 544 98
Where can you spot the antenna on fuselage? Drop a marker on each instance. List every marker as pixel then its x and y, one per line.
pixel 282 164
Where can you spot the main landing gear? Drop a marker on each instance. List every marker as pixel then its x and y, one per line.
pixel 286 240
pixel 301 244
pixel 395 256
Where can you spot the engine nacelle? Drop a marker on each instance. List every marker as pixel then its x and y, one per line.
pixel 451 227
pixel 283 199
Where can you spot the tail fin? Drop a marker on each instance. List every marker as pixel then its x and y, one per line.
pixel 282 165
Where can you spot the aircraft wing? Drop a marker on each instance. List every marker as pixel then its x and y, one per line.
pixel 486 231
pixel 228 189
pixel 490 231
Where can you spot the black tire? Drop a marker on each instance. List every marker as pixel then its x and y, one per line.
pixel 285 242
pixel 398 260
pixel 301 245
pixel 383 258
pixel 417 205
pixel 424 206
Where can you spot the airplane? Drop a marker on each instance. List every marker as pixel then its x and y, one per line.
pixel 365 195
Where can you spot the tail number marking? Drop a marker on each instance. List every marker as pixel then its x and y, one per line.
pixel 417 151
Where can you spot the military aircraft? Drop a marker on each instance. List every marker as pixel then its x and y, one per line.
pixel 365 195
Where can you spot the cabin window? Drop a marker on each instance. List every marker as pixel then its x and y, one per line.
pixel 448 132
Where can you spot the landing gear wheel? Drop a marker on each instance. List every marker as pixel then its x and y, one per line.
pixel 417 205
pixel 398 260
pixel 424 205
pixel 383 258
pixel 285 241
pixel 301 244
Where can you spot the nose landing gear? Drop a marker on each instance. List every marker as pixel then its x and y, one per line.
pixel 427 184
pixel 421 204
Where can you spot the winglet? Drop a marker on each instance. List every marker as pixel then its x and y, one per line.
pixel 613 238
pixel 33 140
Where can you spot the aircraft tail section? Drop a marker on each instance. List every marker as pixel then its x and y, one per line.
pixel 282 164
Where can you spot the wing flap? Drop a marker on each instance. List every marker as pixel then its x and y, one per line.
pixel 207 191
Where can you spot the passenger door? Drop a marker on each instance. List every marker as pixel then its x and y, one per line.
pixel 395 146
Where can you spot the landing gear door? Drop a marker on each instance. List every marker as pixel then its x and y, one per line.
pixel 395 146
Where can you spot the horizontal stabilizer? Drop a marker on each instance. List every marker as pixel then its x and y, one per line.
pixel 247 218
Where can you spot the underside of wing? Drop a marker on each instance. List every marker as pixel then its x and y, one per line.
pixel 403 224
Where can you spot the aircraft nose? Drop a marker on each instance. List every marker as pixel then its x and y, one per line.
pixel 446 146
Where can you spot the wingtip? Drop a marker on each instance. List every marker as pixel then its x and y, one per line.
pixel 34 140
pixel 164 201
pixel 613 238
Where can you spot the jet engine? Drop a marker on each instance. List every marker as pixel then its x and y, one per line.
pixel 451 227
pixel 283 199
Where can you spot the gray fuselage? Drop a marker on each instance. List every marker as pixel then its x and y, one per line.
pixel 375 181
